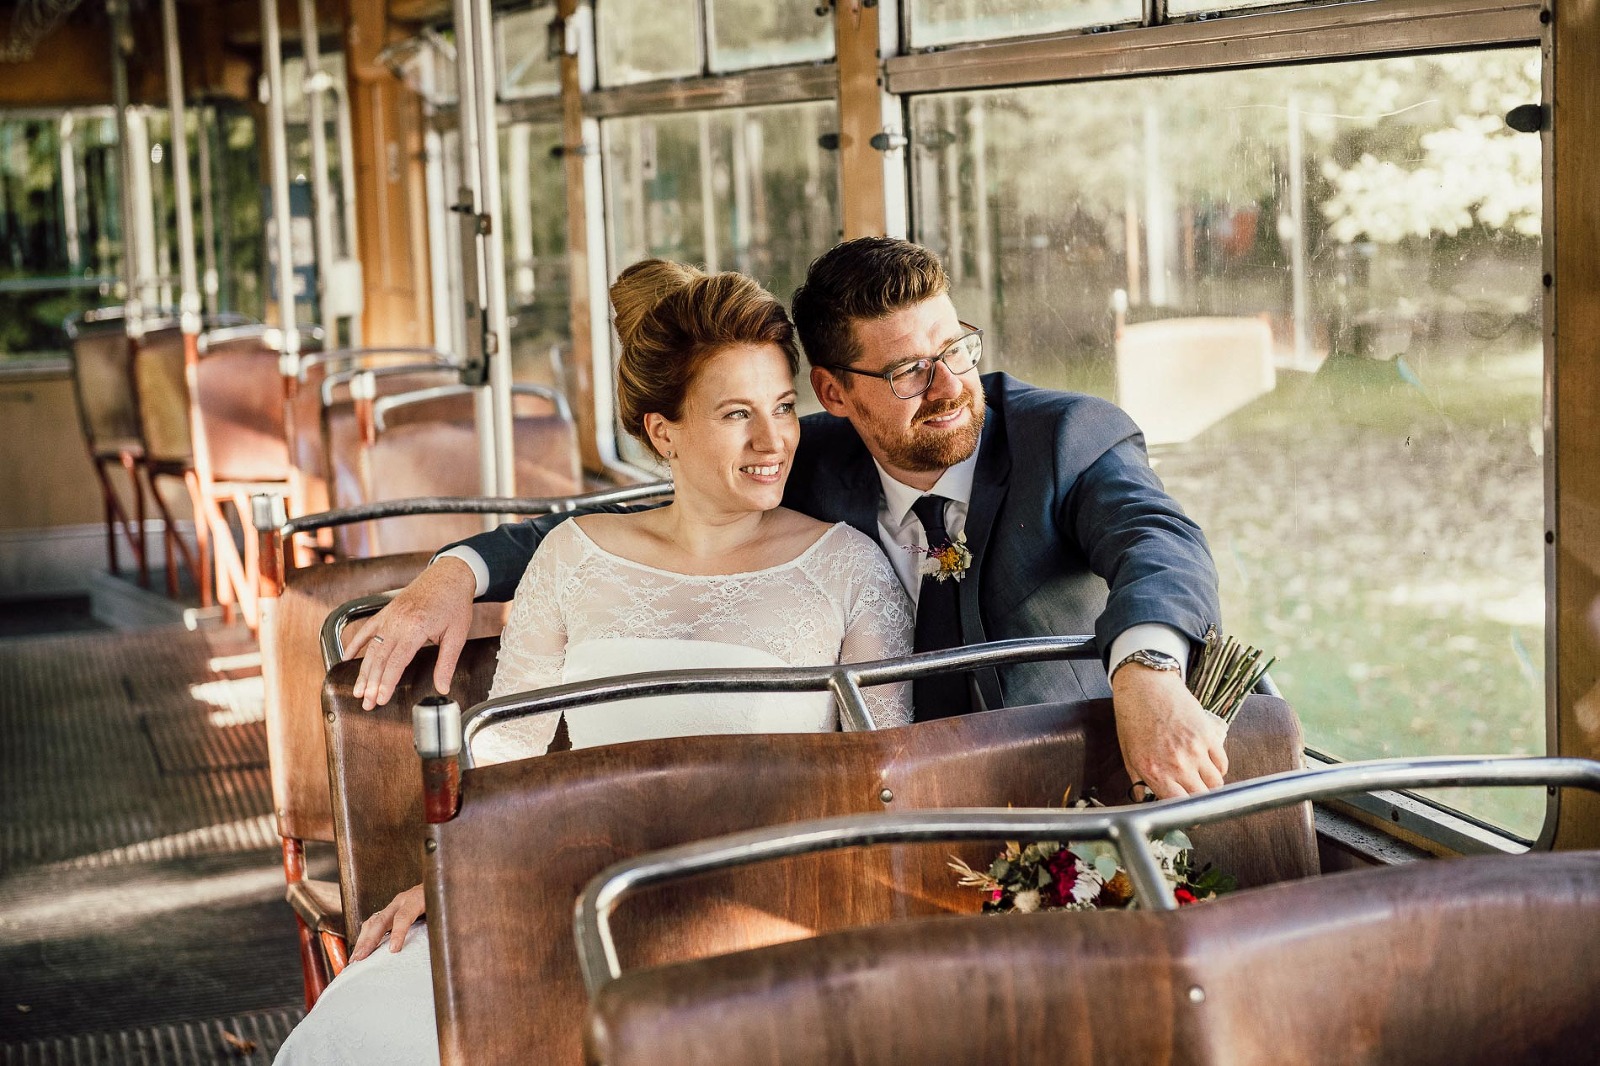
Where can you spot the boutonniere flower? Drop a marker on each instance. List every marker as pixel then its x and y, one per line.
pixel 949 562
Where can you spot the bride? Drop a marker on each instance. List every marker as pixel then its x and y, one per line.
pixel 722 576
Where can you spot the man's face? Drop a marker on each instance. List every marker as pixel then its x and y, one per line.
pixel 915 439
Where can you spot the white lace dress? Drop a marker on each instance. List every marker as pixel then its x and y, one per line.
pixel 582 612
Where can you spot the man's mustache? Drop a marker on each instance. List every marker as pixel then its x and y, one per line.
pixel 944 407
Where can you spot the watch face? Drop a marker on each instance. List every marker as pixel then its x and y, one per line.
pixel 1156 660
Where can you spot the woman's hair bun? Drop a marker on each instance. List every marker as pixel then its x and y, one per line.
pixel 641 288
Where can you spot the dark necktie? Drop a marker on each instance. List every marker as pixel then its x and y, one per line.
pixel 938 625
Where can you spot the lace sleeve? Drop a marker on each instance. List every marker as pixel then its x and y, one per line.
pixel 533 649
pixel 878 624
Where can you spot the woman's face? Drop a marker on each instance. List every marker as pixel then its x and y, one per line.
pixel 733 445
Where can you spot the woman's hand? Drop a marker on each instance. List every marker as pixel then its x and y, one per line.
pixel 393 920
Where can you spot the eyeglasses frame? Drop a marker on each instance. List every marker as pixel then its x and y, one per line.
pixel 887 374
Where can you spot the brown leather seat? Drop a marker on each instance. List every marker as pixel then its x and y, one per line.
pixel 292 671
pixel 1478 960
pixel 163 411
pixel 504 874
pixel 426 444
pixel 102 387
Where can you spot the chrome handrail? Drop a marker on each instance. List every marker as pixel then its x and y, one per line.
pixel 384 404
pixel 358 355
pixel 844 680
pixel 347 376
pixel 341 616
pixel 1128 829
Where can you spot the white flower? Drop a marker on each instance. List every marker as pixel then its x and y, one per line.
pixel 1026 902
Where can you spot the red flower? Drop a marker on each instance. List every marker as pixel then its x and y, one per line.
pixel 996 895
pixel 1185 897
pixel 1063 867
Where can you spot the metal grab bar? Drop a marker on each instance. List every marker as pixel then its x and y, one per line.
pixel 384 404
pixel 844 680
pixel 353 357
pixel 1128 829
pixel 349 376
pixel 333 626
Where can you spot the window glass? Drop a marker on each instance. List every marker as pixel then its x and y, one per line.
pixel 1202 7
pixel 1317 289
pixel 522 53
pixel 534 221
pixel 936 22
pixel 760 33
pixel 747 190
pixel 642 40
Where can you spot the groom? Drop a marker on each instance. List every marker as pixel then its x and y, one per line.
pixel 1064 526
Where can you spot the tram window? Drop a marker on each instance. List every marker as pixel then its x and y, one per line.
pixel 60 219
pixel 747 189
pixel 1317 288
pixel 642 40
pixel 760 33
pixel 938 22
pixel 522 55
pixel 533 192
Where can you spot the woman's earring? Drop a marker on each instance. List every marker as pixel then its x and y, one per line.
pixel 669 455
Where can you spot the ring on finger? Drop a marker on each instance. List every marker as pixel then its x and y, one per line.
pixel 1135 797
pixel 377 639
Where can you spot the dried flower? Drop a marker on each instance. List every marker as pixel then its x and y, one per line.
pixel 949 561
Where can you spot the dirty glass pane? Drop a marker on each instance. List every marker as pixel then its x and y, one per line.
pixel 522 52
pixel 747 190
pixel 935 22
pixel 533 191
pixel 760 33
pixel 1317 289
pixel 642 40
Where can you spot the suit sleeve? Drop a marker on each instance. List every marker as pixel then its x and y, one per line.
pixel 1152 556
pixel 506 551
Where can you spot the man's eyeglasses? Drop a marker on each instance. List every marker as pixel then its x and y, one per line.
pixel 914 377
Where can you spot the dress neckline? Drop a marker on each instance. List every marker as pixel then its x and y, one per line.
pixel 636 564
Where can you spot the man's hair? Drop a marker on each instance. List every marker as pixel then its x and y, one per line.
pixel 671 319
pixel 860 280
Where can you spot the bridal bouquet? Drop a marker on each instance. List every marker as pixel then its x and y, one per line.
pixel 1225 673
pixel 1050 876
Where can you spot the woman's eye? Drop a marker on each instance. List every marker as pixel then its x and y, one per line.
pixel 740 413
pixel 786 408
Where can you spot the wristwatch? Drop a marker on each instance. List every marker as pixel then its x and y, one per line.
pixel 1154 660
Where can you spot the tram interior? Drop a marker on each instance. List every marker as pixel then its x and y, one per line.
pixel 1334 257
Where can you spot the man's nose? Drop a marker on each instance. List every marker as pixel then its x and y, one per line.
pixel 945 383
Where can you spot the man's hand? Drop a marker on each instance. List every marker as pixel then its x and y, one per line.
pixel 436 608
pixel 1169 742
pixel 394 920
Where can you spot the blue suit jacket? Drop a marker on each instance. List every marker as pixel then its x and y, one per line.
pixel 1069 528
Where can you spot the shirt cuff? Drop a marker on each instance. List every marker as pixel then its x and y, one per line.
pixel 1151 636
pixel 480 569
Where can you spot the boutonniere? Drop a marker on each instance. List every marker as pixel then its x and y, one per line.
pixel 947 562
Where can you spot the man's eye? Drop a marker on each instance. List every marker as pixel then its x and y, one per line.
pixel 909 370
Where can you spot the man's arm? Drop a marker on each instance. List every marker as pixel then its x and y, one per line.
pixel 1155 562
pixel 436 608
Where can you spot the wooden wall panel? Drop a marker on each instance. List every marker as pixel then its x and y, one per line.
pixel 1574 253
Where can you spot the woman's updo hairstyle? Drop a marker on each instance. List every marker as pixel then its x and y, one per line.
pixel 671 319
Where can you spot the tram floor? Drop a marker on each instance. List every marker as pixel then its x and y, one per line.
pixel 141 893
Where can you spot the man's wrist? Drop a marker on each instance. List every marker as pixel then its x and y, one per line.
pixel 1145 659
pixel 473 561
pixel 1150 637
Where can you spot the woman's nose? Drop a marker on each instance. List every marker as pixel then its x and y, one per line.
pixel 765 435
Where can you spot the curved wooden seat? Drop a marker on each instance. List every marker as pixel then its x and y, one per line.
pixel 102 390
pixel 1425 963
pixel 502 875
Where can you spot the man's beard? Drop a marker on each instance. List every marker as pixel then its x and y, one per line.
pixel 924 450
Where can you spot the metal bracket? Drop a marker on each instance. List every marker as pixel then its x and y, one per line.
pixel 888 139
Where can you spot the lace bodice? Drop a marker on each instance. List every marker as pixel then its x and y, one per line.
pixel 582 612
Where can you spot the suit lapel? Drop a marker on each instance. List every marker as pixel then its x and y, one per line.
pixel 989 483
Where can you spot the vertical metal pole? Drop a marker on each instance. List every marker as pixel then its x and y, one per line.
pixel 272 63
pixel 322 193
pixel 347 181
pixel 497 341
pixel 132 314
pixel 209 279
pixel 189 302
pixel 480 199
pixel 69 191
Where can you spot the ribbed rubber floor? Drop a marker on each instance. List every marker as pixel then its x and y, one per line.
pixel 141 891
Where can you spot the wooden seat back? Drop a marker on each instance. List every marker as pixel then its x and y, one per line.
pixel 376 779
pixel 239 401
pixel 1477 960
pixel 101 386
pixel 502 876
